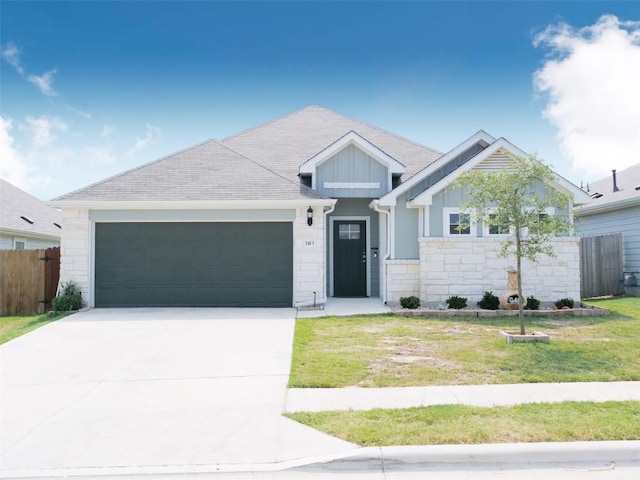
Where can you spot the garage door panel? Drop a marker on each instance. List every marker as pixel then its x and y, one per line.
pixel 194 264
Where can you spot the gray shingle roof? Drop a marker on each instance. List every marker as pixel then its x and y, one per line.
pixel 206 172
pixel 15 203
pixel 258 164
pixel 627 180
pixel 285 143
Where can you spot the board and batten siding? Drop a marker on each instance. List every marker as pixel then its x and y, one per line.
pixel 352 166
pixel 625 221
pixel 406 230
pixel 452 198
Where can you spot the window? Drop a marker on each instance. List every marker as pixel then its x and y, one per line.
pixel 349 231
pixel 19 243
pixel 541 218
pixel 456 223
pixel 495 229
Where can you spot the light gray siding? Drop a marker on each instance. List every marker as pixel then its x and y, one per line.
pixel 352 165
pixel 6 242
pixel 352 207
pixel 625 221
pixel 452 198
pixel 193 215
pixel 406 230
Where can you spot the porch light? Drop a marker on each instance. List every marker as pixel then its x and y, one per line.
pixel 309 216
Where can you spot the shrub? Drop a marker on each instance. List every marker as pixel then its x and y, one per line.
pixel 532 303
pixel 70 298
pixel 489 301
pixel 411 302
pixel 564 302
pixel 456 302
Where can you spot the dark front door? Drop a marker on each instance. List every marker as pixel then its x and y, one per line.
pixel 349 258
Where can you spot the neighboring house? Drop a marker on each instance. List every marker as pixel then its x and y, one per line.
pixel 615 209
pixel 312 204
pixel 26 223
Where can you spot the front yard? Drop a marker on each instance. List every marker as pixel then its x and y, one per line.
pixel 388 350
pixel 393 351
pixel 15 326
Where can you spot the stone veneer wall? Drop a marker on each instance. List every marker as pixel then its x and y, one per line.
pixel 75 250
pixel 470 266
pixel 308 256
pixel 403 279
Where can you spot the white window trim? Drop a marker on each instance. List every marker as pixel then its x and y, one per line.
pixel 473 231
pixel 19 239
pixel 548 211
pixel 485 228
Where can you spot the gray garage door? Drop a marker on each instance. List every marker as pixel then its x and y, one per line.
pixel 194 264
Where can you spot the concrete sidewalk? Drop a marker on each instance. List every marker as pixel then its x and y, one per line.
pixel 354 398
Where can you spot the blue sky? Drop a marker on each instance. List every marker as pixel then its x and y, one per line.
pixel 89 89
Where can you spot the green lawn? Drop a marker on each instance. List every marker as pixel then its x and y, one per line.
pixel 390 350
pixel 460 424
pixel 14 326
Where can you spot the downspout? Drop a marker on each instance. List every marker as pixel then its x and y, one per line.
pixel 376 207
pixel 326 266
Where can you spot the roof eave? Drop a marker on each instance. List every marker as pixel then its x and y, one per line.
pixel 607 207
pixel 192 204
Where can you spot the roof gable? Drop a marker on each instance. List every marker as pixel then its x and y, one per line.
pixel 352 138
pixel 490 159
pixel 39 218
pixel 284 144
pixel 437 170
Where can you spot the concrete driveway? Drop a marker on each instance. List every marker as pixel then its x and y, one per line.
pixel 152 388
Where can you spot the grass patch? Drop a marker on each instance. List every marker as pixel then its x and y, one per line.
pixel 14 326
pixel 391 350
pixel 460 424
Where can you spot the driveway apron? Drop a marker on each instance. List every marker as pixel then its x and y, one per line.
pixel 152 387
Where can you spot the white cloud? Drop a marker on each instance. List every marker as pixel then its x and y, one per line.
pixel 151 133
pixel 591 79
pixel 81 113
pixel 13 166
pixel 12 56
pixel 101 155
pixel 44 82
pixel 107 130
pixel 43 129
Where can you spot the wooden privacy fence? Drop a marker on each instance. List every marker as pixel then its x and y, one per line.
pixel 28 280
pixel 601 266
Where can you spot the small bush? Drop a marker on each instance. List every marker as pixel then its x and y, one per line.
pixel 70 298
pixel 564 302
pixel 532 303
pixel 456 302
pixel 411 302
pixel 489 301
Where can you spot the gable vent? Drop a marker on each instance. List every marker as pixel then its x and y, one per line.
pixel 495 162
pixel 26 219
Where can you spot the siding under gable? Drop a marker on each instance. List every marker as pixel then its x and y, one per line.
pixel 352 166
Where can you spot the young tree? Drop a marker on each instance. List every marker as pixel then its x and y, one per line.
pixel 516 199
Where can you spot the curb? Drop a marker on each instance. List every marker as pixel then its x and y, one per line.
pixel 372 459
